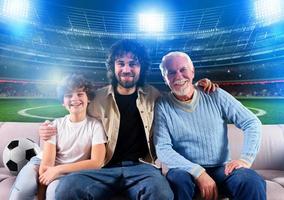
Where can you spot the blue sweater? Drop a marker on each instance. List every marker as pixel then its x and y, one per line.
pixel 193 135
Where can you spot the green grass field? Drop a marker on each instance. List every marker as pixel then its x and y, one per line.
pixel 274 109
pixel 269 111
pixel 40 109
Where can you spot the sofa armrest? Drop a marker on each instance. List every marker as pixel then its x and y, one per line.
pixel 270 155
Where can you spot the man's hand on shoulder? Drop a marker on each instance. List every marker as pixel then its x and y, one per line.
pixel 235 164
pixel 207 187
pixel 46 130
pixel 208 86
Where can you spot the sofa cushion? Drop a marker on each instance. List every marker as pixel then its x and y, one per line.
pixel 270 174
pixel 274 191
pixel 279 180
pixel 4 173
pixel 5 187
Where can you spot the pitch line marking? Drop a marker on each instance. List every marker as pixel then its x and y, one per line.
pixel 259 112
pixel 25 114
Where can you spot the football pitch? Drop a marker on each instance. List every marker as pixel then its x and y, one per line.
pixel 269 110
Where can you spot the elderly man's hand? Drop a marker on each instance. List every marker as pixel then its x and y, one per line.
pixel 208 86
pixel 207 187
pixel 235 164
pixel 46 130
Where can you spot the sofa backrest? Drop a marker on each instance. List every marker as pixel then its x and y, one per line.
pixel 271 152
pixel 14 130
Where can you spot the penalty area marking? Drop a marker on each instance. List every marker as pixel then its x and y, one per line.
pixel 259 112
pixel 24 112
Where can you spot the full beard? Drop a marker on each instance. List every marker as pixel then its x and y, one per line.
pixel 126 84
pixel 183 91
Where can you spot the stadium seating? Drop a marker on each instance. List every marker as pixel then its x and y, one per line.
pixel 269 162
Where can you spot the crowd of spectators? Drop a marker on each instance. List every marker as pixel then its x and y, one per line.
pixel 264 88
pixel 30 89
pixel 8 89
pixel 245 89
pixel 253 71
pixel 250 89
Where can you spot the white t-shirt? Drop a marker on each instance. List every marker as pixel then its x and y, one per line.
pixel 74 140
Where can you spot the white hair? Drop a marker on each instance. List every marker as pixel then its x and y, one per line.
pixel 168 56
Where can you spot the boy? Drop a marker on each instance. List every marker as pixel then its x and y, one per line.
pixel 79 145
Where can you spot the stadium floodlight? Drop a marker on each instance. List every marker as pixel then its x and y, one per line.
pixel 16 9
pixel 151 22
pixel 269 11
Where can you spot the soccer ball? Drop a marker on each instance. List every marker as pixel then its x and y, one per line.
pixel 18 152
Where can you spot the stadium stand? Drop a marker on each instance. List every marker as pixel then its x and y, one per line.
pixel 226 44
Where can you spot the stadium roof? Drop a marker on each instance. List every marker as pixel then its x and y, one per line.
pixel 132 6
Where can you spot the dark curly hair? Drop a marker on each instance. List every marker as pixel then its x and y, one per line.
pixel 123 47
pixel 75 81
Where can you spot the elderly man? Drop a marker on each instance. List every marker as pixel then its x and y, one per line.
pixel 190 137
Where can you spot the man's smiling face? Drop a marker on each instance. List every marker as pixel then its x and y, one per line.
pixel 127 70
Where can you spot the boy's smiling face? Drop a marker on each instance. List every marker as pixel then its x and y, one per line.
pixel 76 102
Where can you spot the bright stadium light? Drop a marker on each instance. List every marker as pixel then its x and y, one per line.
pixel 269 11
pixel 16 9
pixel 151 22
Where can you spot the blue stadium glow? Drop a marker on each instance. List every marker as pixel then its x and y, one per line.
pixel 151 22
pixel 16 9
pixel 269 11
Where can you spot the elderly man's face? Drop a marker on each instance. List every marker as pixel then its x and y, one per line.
pixel 179 75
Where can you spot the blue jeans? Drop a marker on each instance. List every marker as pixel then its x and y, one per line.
pixel 240 184
pixel 26 184
pixel 137 180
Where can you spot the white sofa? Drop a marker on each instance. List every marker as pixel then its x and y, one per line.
pixel 269 162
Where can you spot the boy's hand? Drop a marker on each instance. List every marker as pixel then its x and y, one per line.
pixel 49 175
pixel 235 164
pixel 46 130
pixel 42 169
pixel 208 86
